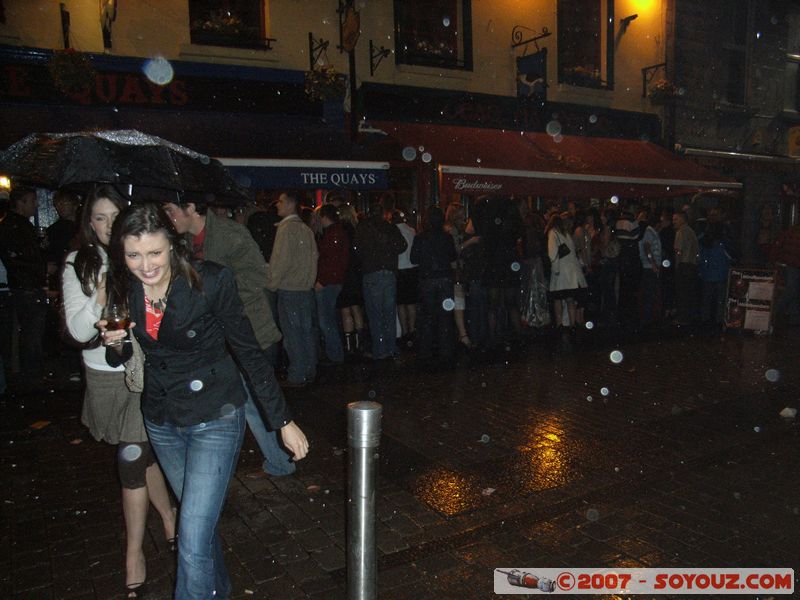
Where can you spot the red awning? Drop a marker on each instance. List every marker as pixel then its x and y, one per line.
pixel 492 161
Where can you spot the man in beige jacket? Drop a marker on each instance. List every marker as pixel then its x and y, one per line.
pixel 292 273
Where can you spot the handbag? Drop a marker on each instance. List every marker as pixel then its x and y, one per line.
pixel 134 367
pixel 563 249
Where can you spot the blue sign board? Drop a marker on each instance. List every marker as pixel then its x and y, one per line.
pixel 326 175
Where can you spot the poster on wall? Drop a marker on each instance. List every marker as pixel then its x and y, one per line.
pixel 751 294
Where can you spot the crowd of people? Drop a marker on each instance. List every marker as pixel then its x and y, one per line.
pixel 217 302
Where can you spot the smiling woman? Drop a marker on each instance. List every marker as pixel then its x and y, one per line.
pixel 188 318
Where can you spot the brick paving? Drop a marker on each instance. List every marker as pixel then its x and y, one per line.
pixel 520 460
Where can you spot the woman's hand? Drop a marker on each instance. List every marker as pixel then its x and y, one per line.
pixel 294 440
pixel 113 337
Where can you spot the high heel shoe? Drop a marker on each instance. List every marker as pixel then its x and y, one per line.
pixel 136 591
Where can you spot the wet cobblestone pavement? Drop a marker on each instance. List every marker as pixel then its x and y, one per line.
pixel 541 456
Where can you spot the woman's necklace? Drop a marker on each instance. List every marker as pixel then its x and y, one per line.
pixel 160 304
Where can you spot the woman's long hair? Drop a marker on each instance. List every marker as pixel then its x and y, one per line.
pixel 88 261
pixel 138 220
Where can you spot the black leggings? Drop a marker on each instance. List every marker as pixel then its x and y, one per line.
pixel 133 458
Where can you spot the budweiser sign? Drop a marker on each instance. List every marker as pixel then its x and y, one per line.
pixel 474 185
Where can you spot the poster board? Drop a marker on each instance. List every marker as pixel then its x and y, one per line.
pixel 750 299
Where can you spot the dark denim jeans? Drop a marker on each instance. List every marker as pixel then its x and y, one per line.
pixel 328 317
pixel 296 312
pixel 477 313
pixel 199 462
pixel 435 319
pixel 30 310
pixel 651 290
pixel 380 300
pixel 276 461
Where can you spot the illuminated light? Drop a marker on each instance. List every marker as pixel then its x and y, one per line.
pixel 605 391
pixel 589 325
pixel 614 199
pixel 5 182
pixel 196 385
pixel 515 266
pixel 448 304
pixel 616 357
pixel 159 70
pixel 666 264
pixel 446 21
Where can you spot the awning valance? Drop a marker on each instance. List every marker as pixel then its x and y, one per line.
pixel 273 173
pixel 491 161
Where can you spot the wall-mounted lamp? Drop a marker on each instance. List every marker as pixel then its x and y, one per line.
pixel 623 23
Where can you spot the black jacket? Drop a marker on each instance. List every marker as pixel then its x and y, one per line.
pixel 21 253
pixel 378 243
pixel 189 376
pixel 434 252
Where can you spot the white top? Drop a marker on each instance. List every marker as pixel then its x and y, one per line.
pixel 82 312
pixel 404 259
pixel 565 272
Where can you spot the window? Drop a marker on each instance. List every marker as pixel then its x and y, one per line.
pixel 433 33
pixel 234 23
pixel 734 52
pixel 585 46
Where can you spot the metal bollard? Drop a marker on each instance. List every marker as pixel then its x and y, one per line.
pixel 363 436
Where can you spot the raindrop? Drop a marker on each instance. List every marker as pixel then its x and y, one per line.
pixel 773 375
pixel 614 199
pixel 589 325
pixel 498 221
pixel 757 429
pixel 773 20
pixel 446 21
pixel 616 357
pixel 589 398
pixel 558 138
pixel 666 264
pixel 227 410
pixel 422 148
pixel 196 385
pixel 485 439
pixel 448 304
pixel 371 394
pixel 592 515
pixel 483 384
pixel 130 453
pixel 205 160
pixel 191 333
pixel 477 160
pixel 553 128
pixel 605 391
pixel 737 495
pixel 159 70
pixel 758 35
pixel 515 266
pixel 426 157
pixel 616 469
pixel 592 118
pixel 409 153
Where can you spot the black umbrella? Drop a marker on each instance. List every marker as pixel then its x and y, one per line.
pixel 144 166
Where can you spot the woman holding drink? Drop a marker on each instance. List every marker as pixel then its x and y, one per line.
pixel 110 411
pixel 187 317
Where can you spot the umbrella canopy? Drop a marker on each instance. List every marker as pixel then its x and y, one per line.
pixel 146 165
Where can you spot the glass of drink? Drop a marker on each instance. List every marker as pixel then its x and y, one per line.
pixel 116 316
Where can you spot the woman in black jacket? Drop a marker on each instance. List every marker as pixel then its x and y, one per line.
pixel 186 317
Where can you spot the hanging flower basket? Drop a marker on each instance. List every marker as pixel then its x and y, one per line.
pixel 324 83
pixel 71 71
pixel 662 92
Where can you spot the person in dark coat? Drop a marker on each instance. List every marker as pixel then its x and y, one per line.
pixel 435 252
pixel 188 318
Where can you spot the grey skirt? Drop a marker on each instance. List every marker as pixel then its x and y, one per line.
pixel 110 411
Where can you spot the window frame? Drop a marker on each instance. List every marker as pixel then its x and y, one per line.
pixel 261 41
pixel 730 48
pixel 464 62
pixel 606 50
